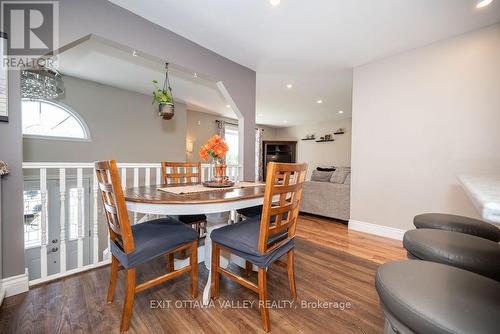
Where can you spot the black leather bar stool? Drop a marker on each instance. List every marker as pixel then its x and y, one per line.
pixel 431 298
pixel 460 250
pixel 467 225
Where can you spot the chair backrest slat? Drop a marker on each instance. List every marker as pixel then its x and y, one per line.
pixel 114 205
pixel 284 181
pixel 181 172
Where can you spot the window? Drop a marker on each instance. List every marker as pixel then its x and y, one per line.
pixel 32 216
pixel 52 120
pixel 231 137
pixel 74 211
pixel 33 213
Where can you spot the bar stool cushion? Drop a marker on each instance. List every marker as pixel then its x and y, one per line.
pixel 456 249
pixel 441 221
pixel 242 238
pixel 154 238
pixel 434 298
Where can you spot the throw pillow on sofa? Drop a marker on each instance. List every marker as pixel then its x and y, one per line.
pixel 339 176
pixel 321 176
pixel 348 180
pixel 325 169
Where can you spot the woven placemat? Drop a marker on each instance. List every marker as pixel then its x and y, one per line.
pixel 199 188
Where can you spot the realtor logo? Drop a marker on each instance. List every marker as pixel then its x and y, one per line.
pixel 32 29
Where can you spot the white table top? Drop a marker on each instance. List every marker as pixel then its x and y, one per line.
pixel 484 191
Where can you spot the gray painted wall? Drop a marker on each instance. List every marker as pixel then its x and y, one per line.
pixel 78 19
pixel 11 151
pixel 123 125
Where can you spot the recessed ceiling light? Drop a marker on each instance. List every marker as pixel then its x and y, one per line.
pixel 274 2
pixel 228 106
pixel 289 86
pixel 341 111
pixel 483 3
pixel 319 101
pixel 285 121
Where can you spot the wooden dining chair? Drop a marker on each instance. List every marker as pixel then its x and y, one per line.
pixel 182 173
pixel 140 243
pixel 262 240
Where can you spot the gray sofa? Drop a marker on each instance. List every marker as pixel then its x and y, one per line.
pixel 323 195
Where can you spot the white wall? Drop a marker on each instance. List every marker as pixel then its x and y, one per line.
pixel 420 119
pixel 123 125
pixel 336 153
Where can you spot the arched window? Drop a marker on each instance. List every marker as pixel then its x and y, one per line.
pixel 49 119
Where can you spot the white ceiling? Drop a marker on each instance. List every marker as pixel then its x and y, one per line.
pixel 102 61
pixel 311 44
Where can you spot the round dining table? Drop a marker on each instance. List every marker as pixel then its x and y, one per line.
pixel 215 203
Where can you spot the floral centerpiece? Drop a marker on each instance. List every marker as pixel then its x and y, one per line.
pixel 216 148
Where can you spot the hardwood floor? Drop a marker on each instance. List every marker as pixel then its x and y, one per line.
pixel 332 265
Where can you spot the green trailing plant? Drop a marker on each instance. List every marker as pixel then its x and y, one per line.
pixel 161 96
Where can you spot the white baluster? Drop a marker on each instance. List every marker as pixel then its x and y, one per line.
pixel 81 216
pixel 124 177
pixel 95 241
pixel 136 184
pixel 62 220
pixel 147 177
pixel 158 176
pixel 43 223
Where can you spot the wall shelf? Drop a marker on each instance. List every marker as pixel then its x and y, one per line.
pixel 324 140
pixel 308 139
pixel 338 133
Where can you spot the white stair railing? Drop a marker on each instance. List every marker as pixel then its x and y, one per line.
pixel 47 171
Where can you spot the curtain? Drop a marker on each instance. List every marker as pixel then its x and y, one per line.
pixel 221 128
pixel 259 133
pixel 221 131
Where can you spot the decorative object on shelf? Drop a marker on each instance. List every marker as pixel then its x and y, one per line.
pixel 309 137
pixel 216 149
pixel 325 138
pixel 339 131
pixel 4 111
pixel 164 98
pixel 4 168
pixel 41 83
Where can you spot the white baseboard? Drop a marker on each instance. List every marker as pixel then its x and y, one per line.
pixel 15 285
pixel 383 231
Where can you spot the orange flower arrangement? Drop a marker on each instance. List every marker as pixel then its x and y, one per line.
pixel 216 148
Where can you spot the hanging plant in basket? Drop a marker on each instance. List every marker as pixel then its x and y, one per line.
pixel 163 96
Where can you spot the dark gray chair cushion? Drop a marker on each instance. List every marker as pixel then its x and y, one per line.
pixel 441 221
pixel 456 249
pixel 189 219
pixel 243 238
pixel 432 298
pixel 250 212
pixel 152 239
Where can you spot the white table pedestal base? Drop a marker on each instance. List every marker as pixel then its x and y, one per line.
pixel 214 221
